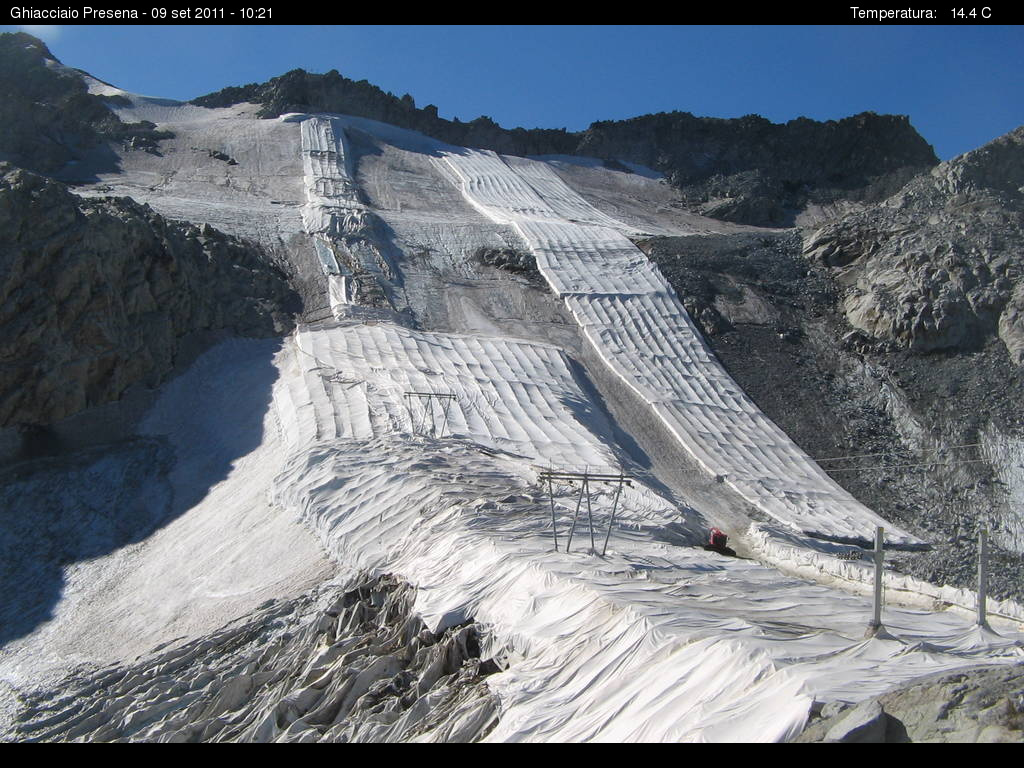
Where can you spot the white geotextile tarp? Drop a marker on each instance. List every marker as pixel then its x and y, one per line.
pixel 331 195
pixel 652 641
pixel 355 382
pixel 636 323
pixel 333 208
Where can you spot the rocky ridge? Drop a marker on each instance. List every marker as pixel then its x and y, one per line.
pixel 747 170
pixel 50 121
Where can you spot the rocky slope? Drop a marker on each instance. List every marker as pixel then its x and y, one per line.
pixel 937 266
pixel 97 295
pixel 50 121
pixel 976 705
pixel 745 170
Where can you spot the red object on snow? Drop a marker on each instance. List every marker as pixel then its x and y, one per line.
pixel 718 538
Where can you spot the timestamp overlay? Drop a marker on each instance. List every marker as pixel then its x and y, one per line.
pixel 159 14
pixel 998 13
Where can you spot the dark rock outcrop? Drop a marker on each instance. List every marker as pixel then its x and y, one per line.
pixel 754 171
pixel 745 170
pixel 99 294
pixel 513 261
pixel 50 120
pixel 984 704
pixel 938 266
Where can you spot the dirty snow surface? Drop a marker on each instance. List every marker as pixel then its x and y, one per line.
pixel 405 433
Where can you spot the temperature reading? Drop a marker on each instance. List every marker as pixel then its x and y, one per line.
pixel 972 13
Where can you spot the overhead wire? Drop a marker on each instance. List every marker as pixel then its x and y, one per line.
pixel 902 466
pixel 889 453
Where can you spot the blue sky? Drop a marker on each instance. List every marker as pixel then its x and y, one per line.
pixel 961 87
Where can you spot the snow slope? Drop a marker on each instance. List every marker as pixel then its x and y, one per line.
pixel 217 548
pixel 259 197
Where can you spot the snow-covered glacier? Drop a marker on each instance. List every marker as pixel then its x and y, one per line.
pixel 594 370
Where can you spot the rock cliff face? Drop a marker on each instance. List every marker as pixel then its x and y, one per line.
pixel 100 294
pixel 938 266
pixel 50 120
pixel 745 170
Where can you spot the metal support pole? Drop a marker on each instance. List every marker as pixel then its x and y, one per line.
pixel 448 404
pixel 982 574
pixel 427 400
pixel 876 620
pixel 590 516
pixel 412 414
pixel 575 515
pixel 551 496
pixel 611 522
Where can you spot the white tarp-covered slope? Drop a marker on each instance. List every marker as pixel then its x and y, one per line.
pixel 633 318
pixel 334 212
pixel 652 641
pixel 364 381
pixel 332 205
